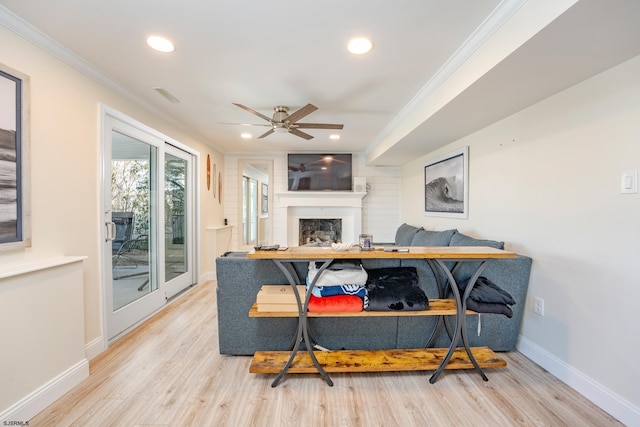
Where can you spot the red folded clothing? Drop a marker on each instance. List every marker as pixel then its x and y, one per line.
pixel 335 304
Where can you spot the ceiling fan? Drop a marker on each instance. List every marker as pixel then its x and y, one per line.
pixel 283 122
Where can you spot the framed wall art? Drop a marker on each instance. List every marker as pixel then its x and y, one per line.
pixel 446 185
pixel 15 202
pixel 209 173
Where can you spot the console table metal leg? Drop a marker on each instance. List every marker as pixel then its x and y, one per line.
pixel 294 351
pixel 461 308
pixel 303 333
pixel 442 293
pixel 463 326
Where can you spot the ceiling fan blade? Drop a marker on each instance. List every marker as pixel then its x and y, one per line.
pixel 296 132
pixel 267 133
pixel 304 111
pixel 262 116
pixel 245 124
pixel 318 126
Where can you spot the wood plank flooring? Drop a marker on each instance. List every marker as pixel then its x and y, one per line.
pixel 168 372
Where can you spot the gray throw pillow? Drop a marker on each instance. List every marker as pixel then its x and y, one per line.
pixel 432 238
pixel 459 239
pixel 405 233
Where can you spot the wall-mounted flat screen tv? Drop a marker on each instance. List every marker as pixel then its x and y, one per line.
pixel 320 172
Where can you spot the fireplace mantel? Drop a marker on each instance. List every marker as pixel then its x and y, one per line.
pixel 350 199
pixel 346 205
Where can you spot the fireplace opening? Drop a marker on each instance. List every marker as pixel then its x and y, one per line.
pixel 320 230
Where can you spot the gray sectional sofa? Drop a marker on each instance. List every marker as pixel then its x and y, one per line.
pixel 239 279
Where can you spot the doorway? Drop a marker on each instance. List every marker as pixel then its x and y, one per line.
pixel 149 240
pixel 255 190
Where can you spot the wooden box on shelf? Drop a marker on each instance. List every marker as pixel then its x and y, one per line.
pixel 272 298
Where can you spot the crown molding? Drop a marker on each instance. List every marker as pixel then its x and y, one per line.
pixel 490 25
pixel 51 46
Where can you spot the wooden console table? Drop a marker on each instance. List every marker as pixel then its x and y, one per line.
pixel 380 360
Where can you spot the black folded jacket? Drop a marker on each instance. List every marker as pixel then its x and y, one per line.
pixel 394 289
pixel 487 297
pixel 487 291
pixel 489 308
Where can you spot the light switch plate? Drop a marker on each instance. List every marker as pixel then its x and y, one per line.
pixel 629 182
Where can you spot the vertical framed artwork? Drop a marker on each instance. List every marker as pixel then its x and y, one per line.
pixel 265 199
pixel 15 202
pixel 446 185
pixel 209 172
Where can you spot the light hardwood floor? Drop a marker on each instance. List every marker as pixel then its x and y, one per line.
pixel 168 372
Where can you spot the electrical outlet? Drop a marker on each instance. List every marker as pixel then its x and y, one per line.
pixel 538 306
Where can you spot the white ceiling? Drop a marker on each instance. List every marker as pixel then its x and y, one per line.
pixel 262 54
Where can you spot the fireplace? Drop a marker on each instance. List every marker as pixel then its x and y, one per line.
pixel 320 230
pixel 322 205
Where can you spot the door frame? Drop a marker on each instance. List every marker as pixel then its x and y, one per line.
pixel 106 114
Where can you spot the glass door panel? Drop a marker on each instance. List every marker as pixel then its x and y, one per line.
pixel 133 171
pixel 178 265
pixel 179 208
pixel 175 217
pixel 132 280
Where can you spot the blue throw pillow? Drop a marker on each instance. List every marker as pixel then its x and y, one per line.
pixel 405 233
pixel 432 238
pixel 459 239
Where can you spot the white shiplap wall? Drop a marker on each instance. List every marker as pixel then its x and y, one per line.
pixel 381 207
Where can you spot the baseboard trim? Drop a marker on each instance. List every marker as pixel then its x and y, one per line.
pixel 207 276
pixel 44 396
pixel 607 400
pixel 94 348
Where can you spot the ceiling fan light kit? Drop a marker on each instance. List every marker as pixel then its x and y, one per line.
pixel 283 122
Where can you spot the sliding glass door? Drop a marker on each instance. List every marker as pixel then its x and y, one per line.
pixel 149 213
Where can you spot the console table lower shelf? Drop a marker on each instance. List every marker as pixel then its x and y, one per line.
pixel 423 359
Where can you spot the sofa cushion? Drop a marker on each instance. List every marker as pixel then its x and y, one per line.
pixel 432 238
pixel 459 239
pixel 405 233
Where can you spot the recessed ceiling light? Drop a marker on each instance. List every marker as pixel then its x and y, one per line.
pixel 160 44
pixel 245 135
pixel 334 136
pixel 359 45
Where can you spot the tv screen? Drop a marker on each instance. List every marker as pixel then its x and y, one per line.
pixel 320 172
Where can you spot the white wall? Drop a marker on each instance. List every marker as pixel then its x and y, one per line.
pixel 42 353
pixel 65 171
pixel 381 207
pixel 547 181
